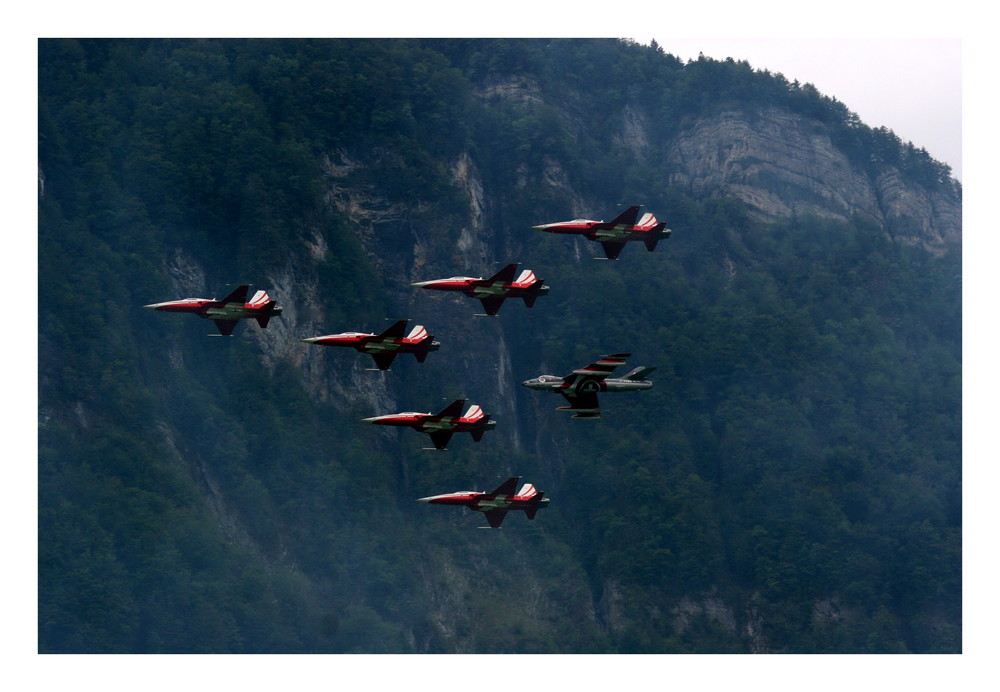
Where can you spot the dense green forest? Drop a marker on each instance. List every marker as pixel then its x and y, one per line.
pixel 791 483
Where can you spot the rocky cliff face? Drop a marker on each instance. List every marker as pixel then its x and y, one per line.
pixel 783 165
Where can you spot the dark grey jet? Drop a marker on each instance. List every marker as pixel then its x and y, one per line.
pixel 581 386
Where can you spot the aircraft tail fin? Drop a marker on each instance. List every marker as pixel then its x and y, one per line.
pixel 648 222
pixel 506 274
pixel 418 333
pixel 475 413
pixel 526 278
pixel 527 491
pixel 639 374
pixel 259 300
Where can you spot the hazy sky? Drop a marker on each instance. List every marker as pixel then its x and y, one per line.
pixel 913 86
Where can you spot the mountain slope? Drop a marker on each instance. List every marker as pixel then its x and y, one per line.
pixel 790 483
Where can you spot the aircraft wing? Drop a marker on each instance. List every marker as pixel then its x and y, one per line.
pixel 383 360
pixel 597 370
pixel 396 331
pixel 581 399
pixel 506 488
pixel 506 274
pixel 627 217
pixel 612 248
pixel 441 438
pixel 492 304
pixel 226 327
pixel 495 517
pixel 237 296
pixel 453 409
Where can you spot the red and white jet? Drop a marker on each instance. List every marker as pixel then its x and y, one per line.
pixel 441 426
pixel 494 290
pixel 613 235
pixel 497 503
pixel 226 313
pixel 385 346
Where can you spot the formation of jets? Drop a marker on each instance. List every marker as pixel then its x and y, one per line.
pixel 579 388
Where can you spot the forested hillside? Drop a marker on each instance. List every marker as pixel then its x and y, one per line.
pixel 791 482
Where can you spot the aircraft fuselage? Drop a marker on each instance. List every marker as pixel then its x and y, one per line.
pixel 482 502
pixel 554 384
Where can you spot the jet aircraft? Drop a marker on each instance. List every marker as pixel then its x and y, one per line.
pixel 385 346
pixel 581 386
pixel 613 235
pixel 441 426
pixel 226 313
pixel 494 290
pixel 496 504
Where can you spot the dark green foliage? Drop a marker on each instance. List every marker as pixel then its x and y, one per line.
pixel 791 483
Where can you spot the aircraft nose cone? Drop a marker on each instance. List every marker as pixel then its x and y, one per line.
pixel 424 499
pixel 310 340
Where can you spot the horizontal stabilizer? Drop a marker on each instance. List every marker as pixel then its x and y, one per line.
pixel 263 319
pixel 639 374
